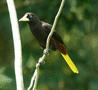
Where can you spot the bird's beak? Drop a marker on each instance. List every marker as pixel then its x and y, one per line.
pixel 24 18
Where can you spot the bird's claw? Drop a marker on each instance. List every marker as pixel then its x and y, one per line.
pixel 46 51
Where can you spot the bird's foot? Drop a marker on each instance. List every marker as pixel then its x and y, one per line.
pixel 46 51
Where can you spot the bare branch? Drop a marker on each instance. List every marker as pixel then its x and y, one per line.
pixel 17 45
pixel 45 52
pixel 54 24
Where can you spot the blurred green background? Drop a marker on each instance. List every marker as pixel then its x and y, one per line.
pixel 78 27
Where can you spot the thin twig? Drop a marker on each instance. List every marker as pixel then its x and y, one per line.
pixel 54 24
pixel 36 78
pixel 36 73
pixel 45 52
pixel 32 80
pixel 17 45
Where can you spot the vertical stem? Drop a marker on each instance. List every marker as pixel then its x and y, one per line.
pixel 17 45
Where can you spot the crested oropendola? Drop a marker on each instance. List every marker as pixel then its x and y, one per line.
pixel 41 30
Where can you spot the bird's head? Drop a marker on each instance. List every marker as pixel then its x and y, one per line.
pixel 30 17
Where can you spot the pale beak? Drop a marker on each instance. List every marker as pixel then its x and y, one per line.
pixel 24 18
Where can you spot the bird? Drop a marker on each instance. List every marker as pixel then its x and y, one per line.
pixel 41 30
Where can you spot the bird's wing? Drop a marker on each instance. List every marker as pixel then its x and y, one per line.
pixel 47 26
pixel 47 30
pixel 56 39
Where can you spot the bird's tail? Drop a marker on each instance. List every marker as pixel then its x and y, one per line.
pixel 70 63
pixel 60 47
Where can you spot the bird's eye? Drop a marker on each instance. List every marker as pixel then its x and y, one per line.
pixel 29 16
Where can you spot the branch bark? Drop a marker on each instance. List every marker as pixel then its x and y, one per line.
pixel 35 76
pixel 17 45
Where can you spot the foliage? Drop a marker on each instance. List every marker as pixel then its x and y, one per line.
pixel 78 27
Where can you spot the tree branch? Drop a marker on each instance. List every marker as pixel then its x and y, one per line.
pixel 34 79
pixel 17 45
pixel 54 24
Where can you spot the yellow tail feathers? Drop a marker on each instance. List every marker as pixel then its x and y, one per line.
pixel 70 63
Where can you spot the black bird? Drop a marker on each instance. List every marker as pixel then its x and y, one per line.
pixel 41 30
